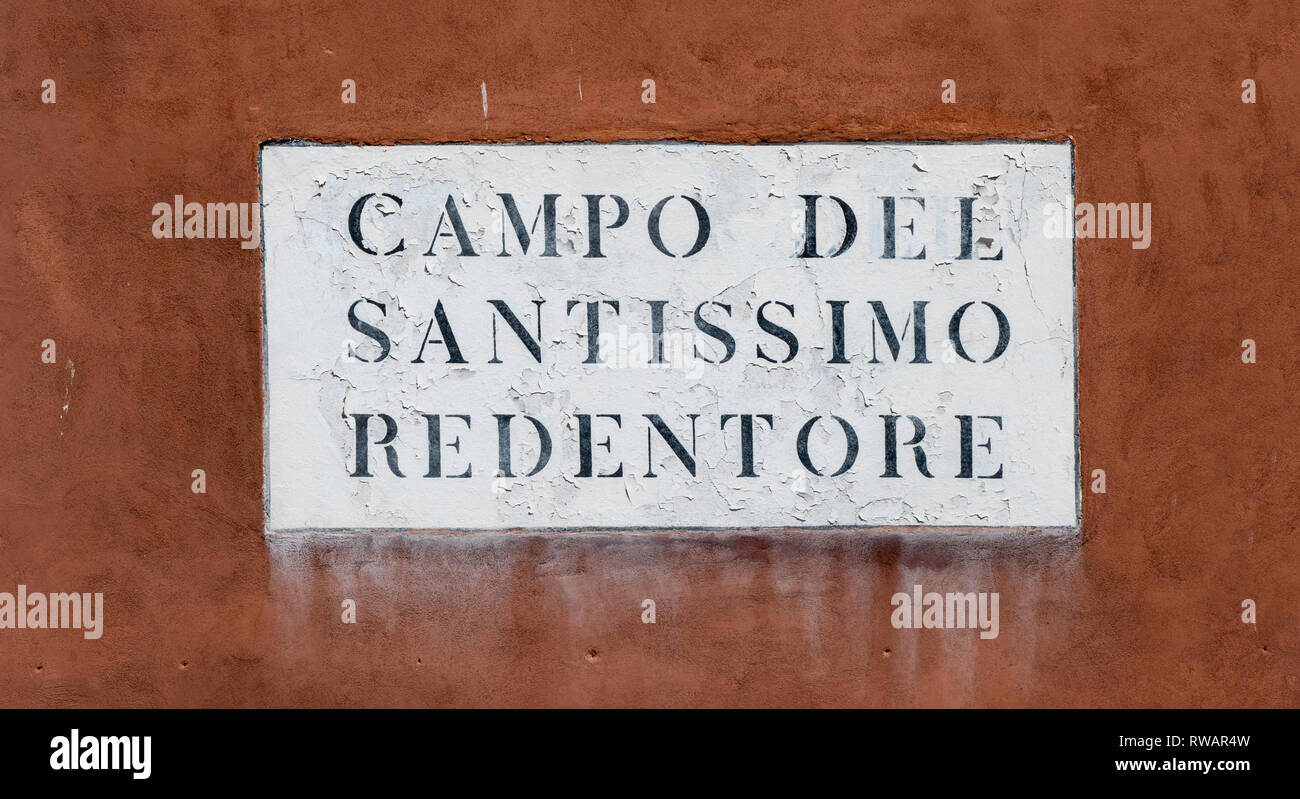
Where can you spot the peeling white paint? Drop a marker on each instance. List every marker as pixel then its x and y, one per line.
pixel 314 272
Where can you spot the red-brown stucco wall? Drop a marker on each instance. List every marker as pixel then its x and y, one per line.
pixel 159 361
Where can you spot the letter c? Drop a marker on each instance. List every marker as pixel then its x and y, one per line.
pixel 354 225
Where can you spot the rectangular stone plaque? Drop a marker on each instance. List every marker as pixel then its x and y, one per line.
pixel 669 335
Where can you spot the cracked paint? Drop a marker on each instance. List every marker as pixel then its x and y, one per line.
pixel 317 385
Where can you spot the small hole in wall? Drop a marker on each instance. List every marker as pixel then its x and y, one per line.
pixel 185 664
pixel 40 668
pixel 419 661
pixel 888 653
pixel 592 656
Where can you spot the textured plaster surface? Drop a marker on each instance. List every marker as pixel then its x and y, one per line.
pixel 160 367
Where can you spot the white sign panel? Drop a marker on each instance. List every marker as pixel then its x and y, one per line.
pixel 662 335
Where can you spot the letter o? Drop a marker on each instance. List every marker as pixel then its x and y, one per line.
pixel 701 216
pixel 1004 332
pixel 850 454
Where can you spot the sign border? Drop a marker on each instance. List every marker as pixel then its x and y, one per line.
pixel 1075 530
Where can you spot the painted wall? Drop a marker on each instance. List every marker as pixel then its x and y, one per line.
pixel 158 365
